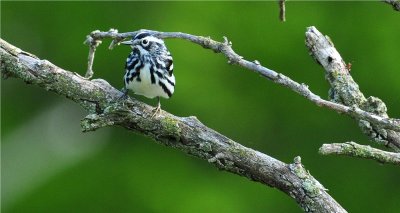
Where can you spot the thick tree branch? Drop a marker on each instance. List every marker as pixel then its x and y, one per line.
pixel 356 150
pixel 344 90
pixel 186 134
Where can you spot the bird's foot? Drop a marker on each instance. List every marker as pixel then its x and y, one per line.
pixel 156 111
pixel 83 77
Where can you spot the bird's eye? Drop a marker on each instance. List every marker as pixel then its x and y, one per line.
pixel 145 41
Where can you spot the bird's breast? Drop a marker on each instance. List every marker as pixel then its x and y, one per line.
pixel 152 82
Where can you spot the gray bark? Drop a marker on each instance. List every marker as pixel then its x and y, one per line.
pixel 344 90
pixel 184 133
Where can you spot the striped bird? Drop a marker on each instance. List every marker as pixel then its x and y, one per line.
pixel 149 68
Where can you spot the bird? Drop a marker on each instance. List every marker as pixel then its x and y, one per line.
pixel 149 68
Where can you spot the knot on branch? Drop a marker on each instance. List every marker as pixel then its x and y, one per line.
pixel 92 41
pixel 378 135
pixel 220 159
pixel 226 41
pixel 376 106
pixel 208 43
pixel 310 185
pixel 224 47
pixel 93 122
pixel 305 91
pixel 225 162
pixel 113 114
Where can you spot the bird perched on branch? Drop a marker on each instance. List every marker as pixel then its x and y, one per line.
pixel 149 68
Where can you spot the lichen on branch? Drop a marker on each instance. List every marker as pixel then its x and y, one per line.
pixel 344 90
pixel 353 149
pixel 187 134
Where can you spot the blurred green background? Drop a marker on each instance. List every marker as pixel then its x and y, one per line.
pixel 48 165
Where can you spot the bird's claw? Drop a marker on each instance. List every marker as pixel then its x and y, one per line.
pixel 83 77
pixel 156 111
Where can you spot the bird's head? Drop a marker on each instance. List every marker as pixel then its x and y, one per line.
pixel 146 43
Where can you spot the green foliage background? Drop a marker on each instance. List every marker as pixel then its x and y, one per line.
pixel 116 170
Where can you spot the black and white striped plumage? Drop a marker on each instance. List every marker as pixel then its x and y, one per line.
pixel 149 67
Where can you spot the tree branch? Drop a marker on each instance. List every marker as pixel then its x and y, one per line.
pixel 344 90
pixel 355 150
pixel 302 89
pixel 186 134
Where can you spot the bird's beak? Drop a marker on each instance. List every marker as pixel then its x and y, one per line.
pixel 127 42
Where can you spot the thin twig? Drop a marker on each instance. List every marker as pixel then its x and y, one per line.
pixel 356 150
pixel 344 90
pixel 89 72
pixel 282 10
pixel 186 134
pixel 233 58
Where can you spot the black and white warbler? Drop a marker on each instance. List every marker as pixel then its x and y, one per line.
pixel 149 68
